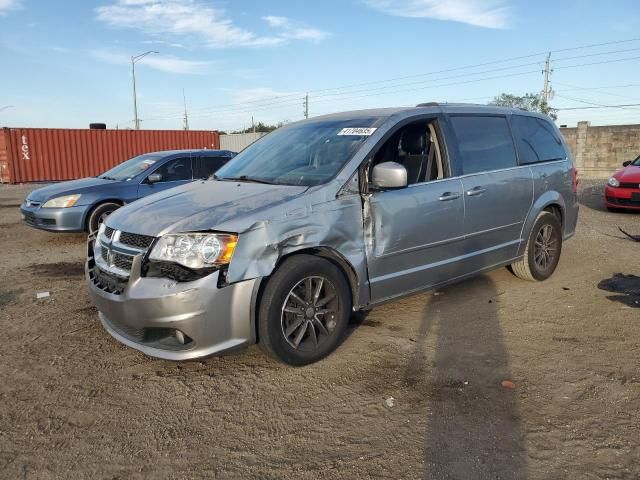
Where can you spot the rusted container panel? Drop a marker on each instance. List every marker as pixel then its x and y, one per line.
pixel 43 154
pixel 4 160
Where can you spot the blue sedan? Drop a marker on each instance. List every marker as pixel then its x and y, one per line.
pixel 82 205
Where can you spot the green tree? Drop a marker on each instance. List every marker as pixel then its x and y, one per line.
pixel 261 127
pixel 529 101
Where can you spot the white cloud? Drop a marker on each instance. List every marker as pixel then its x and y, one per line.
pixel 182 18
pixel 162 42
pixel 290 30
pixel 481 13
pixel 7 5
pixel 169 64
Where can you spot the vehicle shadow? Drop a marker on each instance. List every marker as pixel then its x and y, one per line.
pixel 473 428
pixel 591 195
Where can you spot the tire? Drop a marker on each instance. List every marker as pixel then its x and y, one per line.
pixel 99 214
pixel 317 334
pixel 536 265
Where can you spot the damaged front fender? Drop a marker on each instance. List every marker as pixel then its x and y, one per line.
pixel 333 228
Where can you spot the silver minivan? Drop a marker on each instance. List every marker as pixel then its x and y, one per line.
pixel 328 216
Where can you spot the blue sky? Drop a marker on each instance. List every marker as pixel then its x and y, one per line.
pixel 66 63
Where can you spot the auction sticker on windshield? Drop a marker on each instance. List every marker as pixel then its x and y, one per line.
pixel 357 131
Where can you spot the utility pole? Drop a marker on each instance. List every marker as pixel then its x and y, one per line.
pixel 253 125
pixel 137 58
pixel 546 91
pixel 186 116
pixel 306 106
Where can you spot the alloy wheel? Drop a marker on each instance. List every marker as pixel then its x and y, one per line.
pixel 309 313
pixel 546 247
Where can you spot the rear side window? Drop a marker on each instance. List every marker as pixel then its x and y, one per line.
pixel 209 165
pixel 485 143
pixel 537 140
pixel 176 170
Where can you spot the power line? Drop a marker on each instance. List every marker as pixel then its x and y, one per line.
pixel 594 105
pixel 393 88
pixel 341 96
pixel 259 102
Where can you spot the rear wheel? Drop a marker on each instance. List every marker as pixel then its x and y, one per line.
pixel 99 214
pixel 304 310
pixel 543 249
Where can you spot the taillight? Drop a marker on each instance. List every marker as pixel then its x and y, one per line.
pixel 575 180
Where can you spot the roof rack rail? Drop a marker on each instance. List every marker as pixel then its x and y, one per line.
pixel 428 104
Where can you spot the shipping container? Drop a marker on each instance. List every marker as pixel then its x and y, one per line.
pixel 48 154
pixel 236 142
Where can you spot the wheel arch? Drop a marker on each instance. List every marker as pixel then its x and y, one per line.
pixel 327 253
pixel 550 201
pixel 95 205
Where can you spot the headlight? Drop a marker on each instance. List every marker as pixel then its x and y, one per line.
pixel 613 182
pixel 195 250
pixel 62 202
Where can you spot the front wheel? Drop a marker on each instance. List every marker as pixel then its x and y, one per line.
pixel 543 249
pixel 99 215
pixel 304 310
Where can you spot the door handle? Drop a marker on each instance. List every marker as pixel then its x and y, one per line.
pixel 446 196
pixel 476 191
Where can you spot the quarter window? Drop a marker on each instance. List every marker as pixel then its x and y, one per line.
pixel 537 140
pixel 210 165
pixel 484 143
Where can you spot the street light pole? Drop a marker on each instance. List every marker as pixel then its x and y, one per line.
pixel 135 59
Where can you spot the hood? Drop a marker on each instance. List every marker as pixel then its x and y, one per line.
pixel 630 174
pixel 199 206
pixel 67 188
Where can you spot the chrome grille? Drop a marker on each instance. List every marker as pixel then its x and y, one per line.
pixel 108 232
pixel 123 262
pixel 135 240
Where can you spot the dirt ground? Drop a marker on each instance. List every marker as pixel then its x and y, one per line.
pixel 74 403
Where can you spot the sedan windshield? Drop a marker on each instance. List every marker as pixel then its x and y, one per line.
pixel 308 153
pixel 636 162
pixel 129 169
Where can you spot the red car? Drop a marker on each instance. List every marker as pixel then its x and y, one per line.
pixel 623 188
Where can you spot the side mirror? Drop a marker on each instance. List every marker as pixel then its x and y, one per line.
pixel 154 178
pixel 627 163
pixel 389 175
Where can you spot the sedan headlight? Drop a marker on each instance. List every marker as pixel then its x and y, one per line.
pixel 62 202
pixel 195 250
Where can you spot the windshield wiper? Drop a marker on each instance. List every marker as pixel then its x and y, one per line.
pixel 107 178
pixel 246 178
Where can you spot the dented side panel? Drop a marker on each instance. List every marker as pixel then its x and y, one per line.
pixel 334 225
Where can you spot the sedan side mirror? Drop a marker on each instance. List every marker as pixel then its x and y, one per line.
pixel 627 163
pixel 389 175
pixel 154 178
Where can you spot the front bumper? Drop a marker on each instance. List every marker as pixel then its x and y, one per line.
pixel 149 311
pixel 55 219
pixel 622 197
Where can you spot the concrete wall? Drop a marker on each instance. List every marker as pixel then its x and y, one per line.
pixel 600 151
pixel 237 142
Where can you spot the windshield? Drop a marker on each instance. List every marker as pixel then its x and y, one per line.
pixel 636 162
pixel 129 169
pixel 309 153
